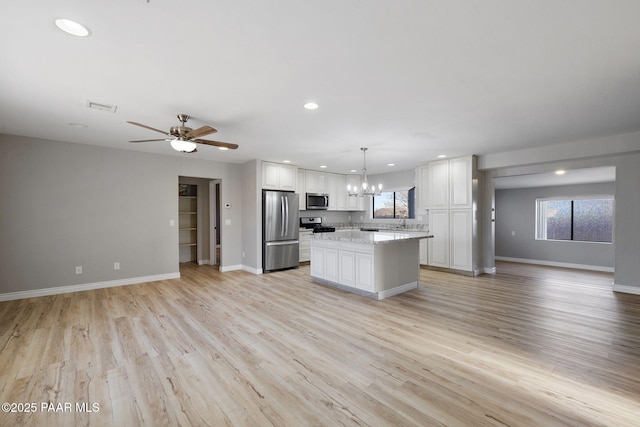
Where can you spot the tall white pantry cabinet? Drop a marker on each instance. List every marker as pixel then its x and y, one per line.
pixel 448 193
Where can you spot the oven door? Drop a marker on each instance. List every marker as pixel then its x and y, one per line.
pixel 316 201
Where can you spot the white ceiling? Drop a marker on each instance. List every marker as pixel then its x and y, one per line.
pixel 551 179
pixel 408 79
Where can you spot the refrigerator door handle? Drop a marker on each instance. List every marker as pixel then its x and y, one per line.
pixel 282 243
pixel 286 208
pixel 282 212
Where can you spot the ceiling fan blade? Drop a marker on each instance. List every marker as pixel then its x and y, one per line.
pixel 217 143
pixel 149 127
pixel 201 131
pixel 148 140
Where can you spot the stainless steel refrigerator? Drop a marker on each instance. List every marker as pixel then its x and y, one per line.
pixel 280 229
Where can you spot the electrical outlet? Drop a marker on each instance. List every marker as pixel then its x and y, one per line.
pixel 78 269
pixel 116 266
pixel 242 254
pixel 513 233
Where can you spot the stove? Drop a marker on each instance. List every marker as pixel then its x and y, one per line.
pixel 324 229
pixel 315 223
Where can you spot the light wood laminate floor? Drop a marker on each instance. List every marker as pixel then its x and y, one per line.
pixel 523 347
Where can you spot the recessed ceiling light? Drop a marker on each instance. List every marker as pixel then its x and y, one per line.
pixel 560 172
pixel 391 164
pixel 311 106
pixel 77 125
pixel 286 161
pixel 442 156
pixel 353 171
pixel 72 27
pixel 323 166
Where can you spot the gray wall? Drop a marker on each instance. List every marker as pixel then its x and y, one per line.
pixel 515 211
pixel 252 216
pixel 627 265
pixel 66 204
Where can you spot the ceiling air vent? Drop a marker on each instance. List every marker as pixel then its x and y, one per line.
pixel 102 107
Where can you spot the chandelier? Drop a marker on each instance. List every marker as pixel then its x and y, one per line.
pixel 364 189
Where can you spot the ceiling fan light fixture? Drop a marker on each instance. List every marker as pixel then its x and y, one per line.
pixel 223 148
pixel 183 146
pixel 72 27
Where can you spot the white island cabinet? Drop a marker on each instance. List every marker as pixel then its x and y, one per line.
pixel 374 264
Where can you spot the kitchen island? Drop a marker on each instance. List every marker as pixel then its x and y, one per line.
pixel 375 264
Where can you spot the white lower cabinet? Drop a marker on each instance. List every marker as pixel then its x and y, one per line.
pixel 331 264
pixel 424 252
pixel 461 236
pixel 347 275
pixel 452 243
pixel 364 272
pixel 317 262
pixel 305 245
pixel 438 250
pixel 348 264
pixel 373 270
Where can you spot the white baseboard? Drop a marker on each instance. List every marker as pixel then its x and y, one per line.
pixel 398 290
pixel 488 270
pixel 224 269
pixel 240 267
pixel 86 286
pixel 203 262
pixel 627 289
pixel 556 264
pixel 252 270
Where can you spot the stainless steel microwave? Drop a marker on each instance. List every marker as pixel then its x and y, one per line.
pixel 317 201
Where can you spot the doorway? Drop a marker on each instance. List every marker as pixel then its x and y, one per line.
pixel 198 223
pixel 519 219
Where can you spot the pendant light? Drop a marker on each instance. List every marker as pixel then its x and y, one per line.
pixel 364 189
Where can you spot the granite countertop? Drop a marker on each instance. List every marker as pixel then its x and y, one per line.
pixel 371 237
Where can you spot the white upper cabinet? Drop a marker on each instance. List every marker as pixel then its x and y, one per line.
pixel 438 193
pixel 270 176
pixel 446 184
pixel 354 203
pixel 333 184
pixel 315 182
pixel 461 183
pixel 300 189
pixel 422 173
pixel 276 176
pixel 337 192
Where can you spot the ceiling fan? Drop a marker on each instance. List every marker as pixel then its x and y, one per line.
pixel 184 139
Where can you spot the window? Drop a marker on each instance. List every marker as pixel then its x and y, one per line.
pixel 583 220
pixel 394 204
